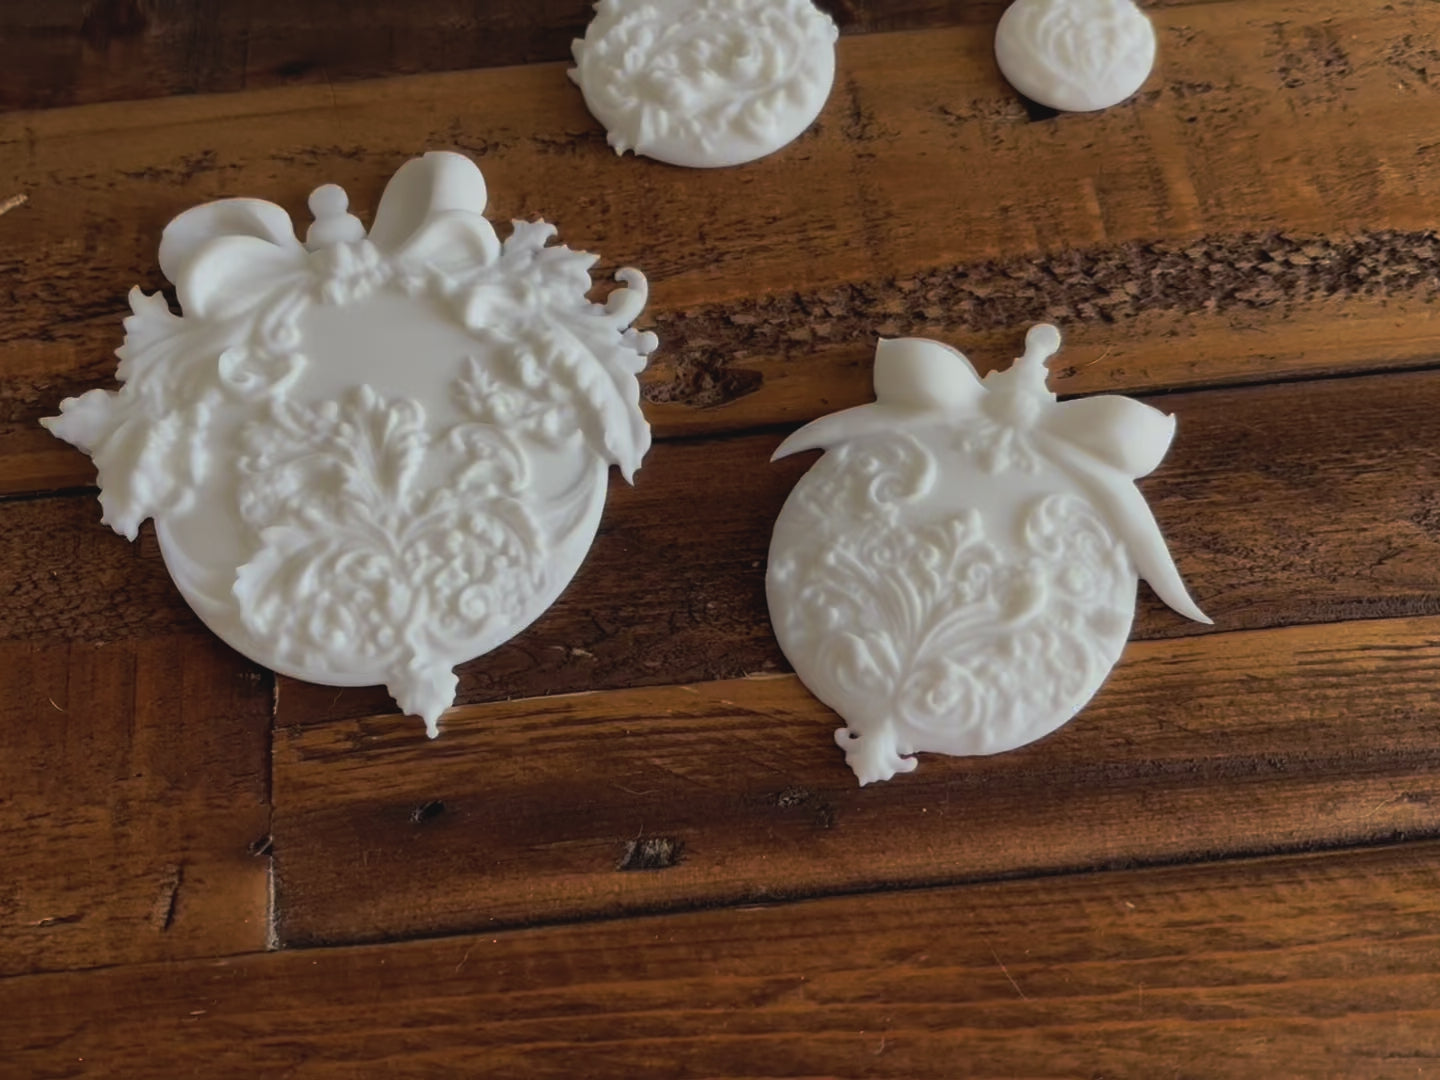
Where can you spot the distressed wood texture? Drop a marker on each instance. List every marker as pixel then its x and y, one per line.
pixel 134 779
pixel 685 796
pixel 1321 966
pixel 70 52
pixel 133 792
pixel 1251 241
pixel 1262 209
pixel 1303 502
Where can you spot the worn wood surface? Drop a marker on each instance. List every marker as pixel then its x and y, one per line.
pixel 1252 242
pixel 1284 504
pixel 714 793
pixel 70 52
pixel 134 776
pixel 1322 966
pixel 134 786
pixel 1179 253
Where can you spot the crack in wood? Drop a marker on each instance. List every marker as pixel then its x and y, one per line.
pixel 57 920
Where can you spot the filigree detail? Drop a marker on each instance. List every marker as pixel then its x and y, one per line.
pixel 380 536
pixel 931 633
pixel 360 563
pixel 561 369
pixel 957 573
pixel 720 80
pixel 1000 447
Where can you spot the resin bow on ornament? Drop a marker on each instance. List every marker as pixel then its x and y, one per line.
pixel 243 280
pixel 1011 420
pixel 226 257
pixel 375 455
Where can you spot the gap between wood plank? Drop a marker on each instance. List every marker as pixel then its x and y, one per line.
pixel 1399 842
pixel 1060 875
pixel 1261 742
pixel 1137 974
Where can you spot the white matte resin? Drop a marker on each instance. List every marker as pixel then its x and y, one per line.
pixel 1075 55
pixel 705 83
pixel 369 458
pixel 957 573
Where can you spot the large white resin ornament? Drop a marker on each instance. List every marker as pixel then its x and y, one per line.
pixel 957 573
pixel 369 457
pixel 1075 55
pixel 705 82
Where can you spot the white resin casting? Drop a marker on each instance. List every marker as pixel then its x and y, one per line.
pixel 957 573
pixel 369 457
pixel 705 82
pixel 1075 55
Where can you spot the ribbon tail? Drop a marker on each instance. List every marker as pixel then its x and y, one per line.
pixel 839 427
pixel 1147 547
pixel 1124 508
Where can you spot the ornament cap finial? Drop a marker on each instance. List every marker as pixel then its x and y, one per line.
pixel 334 224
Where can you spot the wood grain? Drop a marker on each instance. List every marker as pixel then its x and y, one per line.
pixel 70 578
pixel 1178 237
pixel 1308 502
pixel 1252 240
pixel 1142 317
pixel 70 52
pixel 539 810
pixel 1319 966
pixel 134 787
pixel 135 775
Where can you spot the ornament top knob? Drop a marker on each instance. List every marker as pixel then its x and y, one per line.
pixel 334 224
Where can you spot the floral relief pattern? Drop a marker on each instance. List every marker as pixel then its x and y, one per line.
pixel 701 73
pixel 1084 39
pixel 360 561
pixel 928 628
pixel 379 538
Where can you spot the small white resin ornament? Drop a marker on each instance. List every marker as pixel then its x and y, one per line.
pixel 1075 55
pixel 369 457
pixel 705 83
pixel 957 573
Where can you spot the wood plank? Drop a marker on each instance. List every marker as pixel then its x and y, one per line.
pixel 1168 319
pixel 1319 966
pixel 733 792
pixel 1176 252
pixel 1298 503
pixel 133 785
pixel 135 776
pixel 69 578
pixel 69 52
pixel 1283 505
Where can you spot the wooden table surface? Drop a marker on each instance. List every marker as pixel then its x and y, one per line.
pixel 635 852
